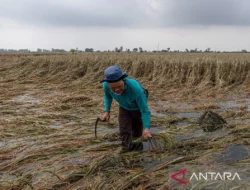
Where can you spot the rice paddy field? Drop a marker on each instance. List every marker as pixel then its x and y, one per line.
pixel 49 105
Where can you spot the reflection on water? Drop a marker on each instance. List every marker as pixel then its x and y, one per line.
pixel 56 126
pixel 233 153
pixel 177 114
pixel 235 104
pixel 157 129
pixel 236 121
pixel 3 144
pixel 26 98
pixel 151 162
pixel 188 114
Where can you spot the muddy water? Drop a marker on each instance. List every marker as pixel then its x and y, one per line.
pixel 235 104
pixel 233 153
pixel 179 114
pixel 236 121
pixel 27 105
pixel 26 98
pixel 20 107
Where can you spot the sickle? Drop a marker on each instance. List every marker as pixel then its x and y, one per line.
pixel 96 122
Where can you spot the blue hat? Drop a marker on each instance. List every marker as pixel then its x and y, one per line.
pixel 113 74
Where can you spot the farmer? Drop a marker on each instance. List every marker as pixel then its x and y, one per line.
pixel 134 115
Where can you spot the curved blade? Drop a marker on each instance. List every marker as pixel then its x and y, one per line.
pixel 96 122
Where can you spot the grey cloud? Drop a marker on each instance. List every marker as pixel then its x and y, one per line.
pixel 204 12
pixel 79 13
pixel 129 13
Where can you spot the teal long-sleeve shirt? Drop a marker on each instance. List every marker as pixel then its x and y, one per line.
pixel 132 98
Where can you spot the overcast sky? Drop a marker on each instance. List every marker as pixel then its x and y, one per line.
pixel 106 24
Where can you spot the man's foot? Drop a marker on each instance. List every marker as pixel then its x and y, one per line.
pixel 136 146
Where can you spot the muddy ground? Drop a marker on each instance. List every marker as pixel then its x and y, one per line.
pixel 47 140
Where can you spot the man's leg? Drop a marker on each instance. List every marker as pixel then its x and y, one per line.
pixel 137 125
pixel 125 126
pixel 137 128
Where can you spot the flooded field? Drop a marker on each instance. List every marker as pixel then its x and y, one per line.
pixel 47 139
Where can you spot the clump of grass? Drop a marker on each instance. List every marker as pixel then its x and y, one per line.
pixel 21 183
pixel 243 107
pixel 112 136
pixel 162 141
pixel 237 114
pixel 240 130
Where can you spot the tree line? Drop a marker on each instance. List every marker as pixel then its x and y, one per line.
pixel 118 50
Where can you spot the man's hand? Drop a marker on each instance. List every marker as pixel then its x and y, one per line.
pixel 147 134
pixel 106 116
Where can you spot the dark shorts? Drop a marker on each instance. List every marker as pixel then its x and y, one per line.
pixel 130 125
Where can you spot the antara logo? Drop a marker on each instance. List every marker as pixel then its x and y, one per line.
pixel 181 172
pixel 208 176
pixel 215 176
